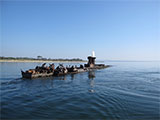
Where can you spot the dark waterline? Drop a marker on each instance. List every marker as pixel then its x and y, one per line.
pixel 126 91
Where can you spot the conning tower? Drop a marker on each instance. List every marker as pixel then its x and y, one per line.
pixel 91 60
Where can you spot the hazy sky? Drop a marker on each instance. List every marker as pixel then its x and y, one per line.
pixel 115 30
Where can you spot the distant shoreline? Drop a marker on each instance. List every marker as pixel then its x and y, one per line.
pixel 43 61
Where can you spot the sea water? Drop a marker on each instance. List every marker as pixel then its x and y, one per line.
pixel 125 91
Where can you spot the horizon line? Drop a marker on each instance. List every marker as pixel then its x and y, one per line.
pixel 99 60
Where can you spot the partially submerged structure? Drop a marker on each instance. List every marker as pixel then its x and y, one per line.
pixel 45 71
pixel 91 63
pixel 91 60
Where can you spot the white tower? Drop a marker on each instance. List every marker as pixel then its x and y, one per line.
pixel 93 54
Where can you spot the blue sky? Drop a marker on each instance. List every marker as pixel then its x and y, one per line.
pixel 115 30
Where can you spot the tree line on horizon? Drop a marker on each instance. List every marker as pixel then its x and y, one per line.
pixel 28 58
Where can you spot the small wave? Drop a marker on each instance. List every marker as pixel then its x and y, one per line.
pixel 10 81
pixel 134 94
pixel 156 72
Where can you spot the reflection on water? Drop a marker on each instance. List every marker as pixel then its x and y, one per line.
pixel 61 77
pixel 91 74
pixel 72 76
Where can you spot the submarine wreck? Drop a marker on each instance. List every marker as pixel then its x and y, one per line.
pixel 46 71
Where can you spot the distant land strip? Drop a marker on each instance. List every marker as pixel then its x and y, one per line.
pixel 26 59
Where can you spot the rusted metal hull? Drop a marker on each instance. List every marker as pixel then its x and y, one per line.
pixel 30 75
pixel 99 67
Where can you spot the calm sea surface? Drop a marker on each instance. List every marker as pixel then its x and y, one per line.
pixel 125 91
